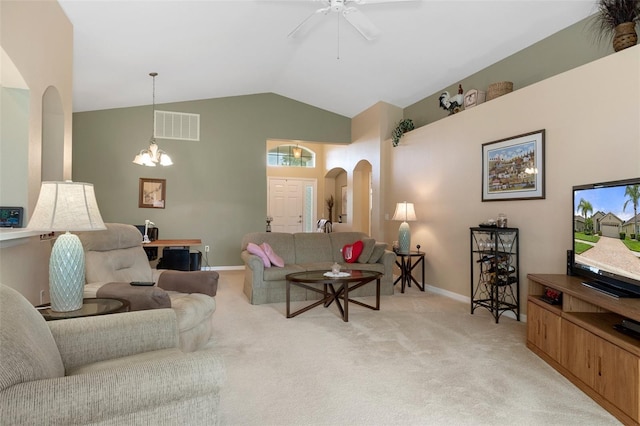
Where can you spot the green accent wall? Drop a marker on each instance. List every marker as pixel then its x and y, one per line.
pixel 567 49
pixel 217 188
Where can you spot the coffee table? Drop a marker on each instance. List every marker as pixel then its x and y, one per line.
pixel 90 307
pixel 333 289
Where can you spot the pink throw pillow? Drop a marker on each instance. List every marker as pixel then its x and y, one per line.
pixel 273 257
pixel 255 249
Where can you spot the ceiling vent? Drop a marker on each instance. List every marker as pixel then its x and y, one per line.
pixel 177 125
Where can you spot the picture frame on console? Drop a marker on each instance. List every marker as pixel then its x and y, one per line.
pixel 152 193
pixel 513 168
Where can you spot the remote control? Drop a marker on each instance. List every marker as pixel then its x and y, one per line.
pixel 142 283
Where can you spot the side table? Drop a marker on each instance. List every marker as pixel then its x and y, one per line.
pixel 406 265
pixel 90 307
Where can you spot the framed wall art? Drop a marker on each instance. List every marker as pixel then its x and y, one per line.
pixel 152 193
pixel 513 168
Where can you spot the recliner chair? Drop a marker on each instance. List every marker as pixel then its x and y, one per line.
pixel 103 370
pixel 115 257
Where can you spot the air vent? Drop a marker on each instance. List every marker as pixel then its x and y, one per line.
pixel 177 125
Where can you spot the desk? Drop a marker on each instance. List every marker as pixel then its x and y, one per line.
pixel 152 248
pixel 173 243
pixel 406 267
pixel 90 307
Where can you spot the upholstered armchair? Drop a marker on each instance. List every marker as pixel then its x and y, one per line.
pixel 115 257
pixel 110 370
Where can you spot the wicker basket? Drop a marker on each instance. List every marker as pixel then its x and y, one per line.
pixel 498 89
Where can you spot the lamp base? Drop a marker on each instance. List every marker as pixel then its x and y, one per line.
pixel 404 238
pixel 66 273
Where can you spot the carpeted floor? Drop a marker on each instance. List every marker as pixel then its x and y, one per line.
pixel 423 359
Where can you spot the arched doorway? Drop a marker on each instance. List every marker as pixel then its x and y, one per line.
pixel 335 185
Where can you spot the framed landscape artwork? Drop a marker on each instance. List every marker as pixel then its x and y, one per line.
pixel 513 168
pixel 152 193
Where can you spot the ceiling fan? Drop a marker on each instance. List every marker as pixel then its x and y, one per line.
pixel 352 15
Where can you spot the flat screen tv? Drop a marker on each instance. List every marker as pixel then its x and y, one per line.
pixel 606 240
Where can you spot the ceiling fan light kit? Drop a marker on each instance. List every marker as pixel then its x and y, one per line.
pixel 351 14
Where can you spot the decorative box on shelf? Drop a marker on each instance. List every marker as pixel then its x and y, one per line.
pixel 473 97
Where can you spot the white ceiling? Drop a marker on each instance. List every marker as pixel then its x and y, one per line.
pixel 211 49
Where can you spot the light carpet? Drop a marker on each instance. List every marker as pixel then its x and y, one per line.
pixel 423 359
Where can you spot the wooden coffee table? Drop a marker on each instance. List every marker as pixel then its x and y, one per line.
pixel 333 289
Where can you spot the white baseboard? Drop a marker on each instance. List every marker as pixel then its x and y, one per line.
pixel 467 300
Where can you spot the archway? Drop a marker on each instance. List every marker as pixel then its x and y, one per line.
pixel 335 184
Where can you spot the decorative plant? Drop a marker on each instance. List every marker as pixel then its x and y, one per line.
pixel 330 202
pixel 404 126
pixel 612 13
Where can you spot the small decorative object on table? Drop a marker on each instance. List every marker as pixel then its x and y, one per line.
pixel 269 220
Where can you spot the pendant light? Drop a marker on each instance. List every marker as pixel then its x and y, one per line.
pixel 153 155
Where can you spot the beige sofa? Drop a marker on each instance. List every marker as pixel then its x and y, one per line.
pixel 306 252
pixel 119 369
pixel 115 257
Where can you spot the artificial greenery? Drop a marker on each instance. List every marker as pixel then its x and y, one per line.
pixel 404 126
pixel 612 13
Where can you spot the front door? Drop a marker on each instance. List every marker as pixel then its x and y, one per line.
pixel 291 204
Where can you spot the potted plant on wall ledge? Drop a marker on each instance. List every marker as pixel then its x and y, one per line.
pixel 404 126
pixel 617 19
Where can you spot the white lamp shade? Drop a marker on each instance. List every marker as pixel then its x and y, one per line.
pixel 404 212
pixel 66 206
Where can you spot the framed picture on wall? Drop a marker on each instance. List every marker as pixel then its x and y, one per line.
pixel 343 202
pixel 152 193
pixel 513 168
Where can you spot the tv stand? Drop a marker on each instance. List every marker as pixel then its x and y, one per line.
pixel 580 340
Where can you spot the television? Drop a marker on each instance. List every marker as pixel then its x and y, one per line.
pixel 606 240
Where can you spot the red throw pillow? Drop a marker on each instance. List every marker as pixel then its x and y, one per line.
pixel 351 252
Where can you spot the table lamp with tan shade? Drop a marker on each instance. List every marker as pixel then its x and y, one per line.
pixel 63 207
pixel 404 212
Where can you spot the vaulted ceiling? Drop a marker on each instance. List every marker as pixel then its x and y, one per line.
pixel 210 49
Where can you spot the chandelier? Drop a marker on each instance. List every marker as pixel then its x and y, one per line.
pixel 153 155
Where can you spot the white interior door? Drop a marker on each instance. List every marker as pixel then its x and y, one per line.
pixel 291 204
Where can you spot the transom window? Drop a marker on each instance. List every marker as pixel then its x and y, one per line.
pixel 286 156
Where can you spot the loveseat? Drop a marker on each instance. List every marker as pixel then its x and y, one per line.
pixel 306 252
pixel 118 369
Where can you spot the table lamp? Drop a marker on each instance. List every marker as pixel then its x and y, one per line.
pixel 404 212
pixel 66 206
pixel 145 238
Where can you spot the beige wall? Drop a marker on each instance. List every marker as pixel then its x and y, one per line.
pixel 38 38
pixel 592 119
pixel 370 131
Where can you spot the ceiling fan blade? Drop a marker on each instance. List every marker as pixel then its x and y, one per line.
pixel 308 22
pixel 361 23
